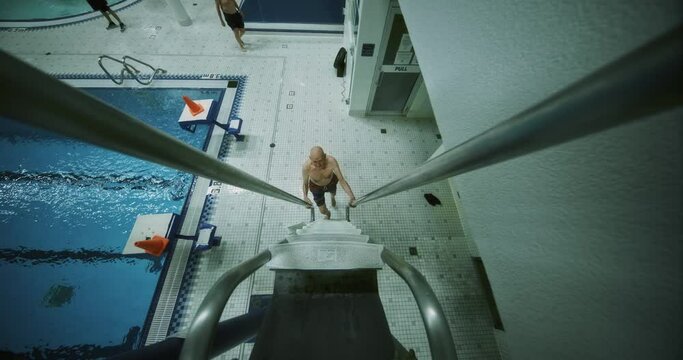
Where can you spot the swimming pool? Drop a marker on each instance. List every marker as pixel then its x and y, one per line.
pixel 49 13
pixel 317 16
pixel 66 210
pixel 306 11
pixel 45 9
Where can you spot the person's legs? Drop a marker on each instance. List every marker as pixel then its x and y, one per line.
pixel 239 24
pixel 324 211
pixel 112 13
pixel 123 26
pixel 332 189
pixel 236 32
pixel 111 23
pixel 319 199
pixel 234 21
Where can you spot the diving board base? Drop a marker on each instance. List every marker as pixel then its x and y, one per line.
pixel 146 226
pixel 189 122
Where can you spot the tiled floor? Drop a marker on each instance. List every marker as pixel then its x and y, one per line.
pixel 293 101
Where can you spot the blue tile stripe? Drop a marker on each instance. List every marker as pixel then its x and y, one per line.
pixel 86 76
pixel 182 305
pixel 239 95
pixel 209 207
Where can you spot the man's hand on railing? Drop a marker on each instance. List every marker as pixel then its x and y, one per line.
pixel 352 202
pixel 309 202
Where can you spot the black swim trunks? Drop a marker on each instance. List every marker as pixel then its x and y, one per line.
pixel 99 5
pixel 319 191
pixel 235 21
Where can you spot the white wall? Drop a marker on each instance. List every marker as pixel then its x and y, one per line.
pixel 421 107
pixel 581 242
pixel 373 14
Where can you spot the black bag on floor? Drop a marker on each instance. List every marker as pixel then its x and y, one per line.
pixel 340 62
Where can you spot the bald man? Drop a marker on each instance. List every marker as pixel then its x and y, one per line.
pixel 321 174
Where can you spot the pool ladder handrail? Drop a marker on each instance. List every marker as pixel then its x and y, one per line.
pixel 130 69
pixel 205 322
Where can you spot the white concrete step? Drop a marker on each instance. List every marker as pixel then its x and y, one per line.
pixel 324 230
pixel 331 224
pixel 292 229
pixel 326 255
pixel 328 237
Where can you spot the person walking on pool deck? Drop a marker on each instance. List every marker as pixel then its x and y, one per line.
pixel 233 17
pixel 103 7
pixel 321 174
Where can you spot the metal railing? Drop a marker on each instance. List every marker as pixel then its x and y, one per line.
pixel 439 334
pixel 203 327
pixel 202 330
pixel 644 82
pixel 130 69
pixel 68 111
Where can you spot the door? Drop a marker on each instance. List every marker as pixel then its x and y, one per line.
pixel 398 72
pixel 393 91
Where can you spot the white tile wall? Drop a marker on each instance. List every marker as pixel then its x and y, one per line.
pixel 293 100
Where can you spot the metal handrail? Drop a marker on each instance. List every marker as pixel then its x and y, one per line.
pixel 644 82
pixel 68 111
pixel 203 328
pixel 439 334
pixel 130 69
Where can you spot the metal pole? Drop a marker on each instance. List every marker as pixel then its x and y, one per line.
pixel 32 97
pixel 179 12
pixel 436 326
pixel 203 328
pixel 646 81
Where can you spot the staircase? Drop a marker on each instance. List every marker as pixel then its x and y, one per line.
pixel 325 300
pixel 326 245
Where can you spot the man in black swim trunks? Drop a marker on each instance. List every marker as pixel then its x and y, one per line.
pixel 233 17
pixel 103 7
pixel 321 174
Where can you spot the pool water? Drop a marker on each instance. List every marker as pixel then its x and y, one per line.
pixel 305 11
pixel 66 210
pixel 15 10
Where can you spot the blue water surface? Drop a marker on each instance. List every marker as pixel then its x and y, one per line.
pixel 66 210
pixel 330 12
pixel 44 9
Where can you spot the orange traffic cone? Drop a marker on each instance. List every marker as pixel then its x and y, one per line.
pixel 155 246
pixel 195 108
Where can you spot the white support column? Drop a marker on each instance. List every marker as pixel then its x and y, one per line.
pixel 179 12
